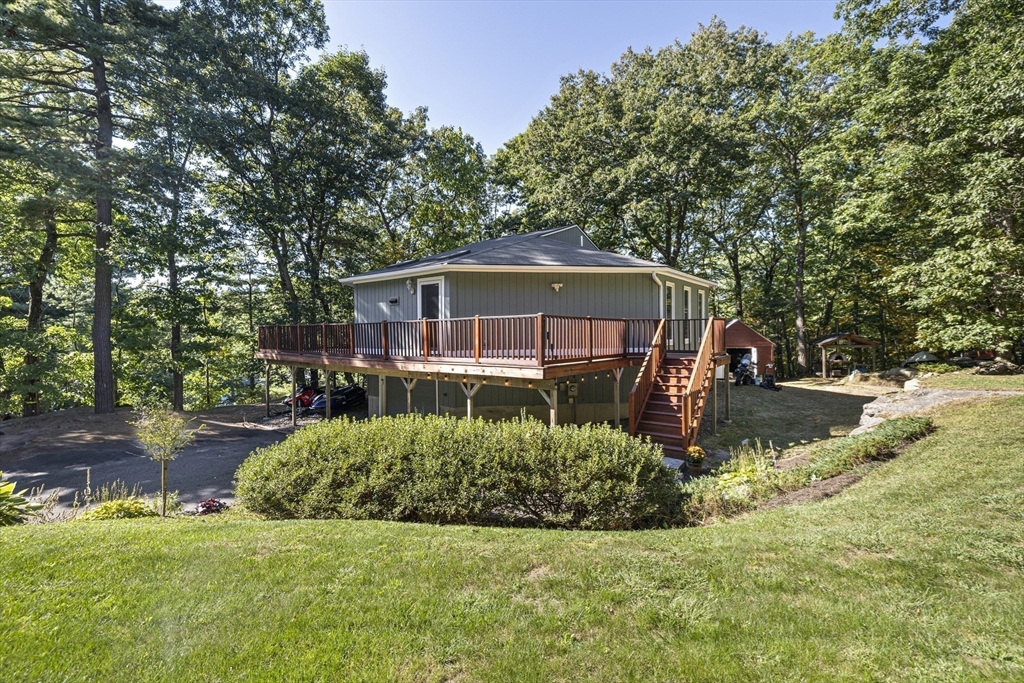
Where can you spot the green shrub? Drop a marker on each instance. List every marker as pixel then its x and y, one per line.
pixel 447 470
pixel 748 476
pixel 15 508
pixel 937 368
pixel 120 508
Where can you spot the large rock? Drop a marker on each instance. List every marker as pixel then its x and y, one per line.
pixel 867 424
pixel 1000 367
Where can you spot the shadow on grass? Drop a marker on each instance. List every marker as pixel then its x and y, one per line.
pixel 786 419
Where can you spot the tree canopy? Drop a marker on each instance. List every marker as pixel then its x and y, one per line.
pixel 175 175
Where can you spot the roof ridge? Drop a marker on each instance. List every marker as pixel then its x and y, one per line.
pixel 525 236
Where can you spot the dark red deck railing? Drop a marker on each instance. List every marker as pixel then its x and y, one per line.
pixel 498 340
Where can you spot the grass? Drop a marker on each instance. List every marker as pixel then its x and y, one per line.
pixel 789 418
pixel 962 380
pixel 915 573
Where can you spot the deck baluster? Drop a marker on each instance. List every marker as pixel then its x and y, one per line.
pixel 476 339
pixel 540 339
pixel 426 341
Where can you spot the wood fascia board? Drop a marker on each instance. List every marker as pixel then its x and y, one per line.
pixel 530 377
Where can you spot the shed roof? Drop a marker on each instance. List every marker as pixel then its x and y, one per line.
pixel 528 251
pixel 748 332
pixel 848 339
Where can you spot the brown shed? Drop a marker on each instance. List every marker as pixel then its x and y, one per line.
pixel 740 339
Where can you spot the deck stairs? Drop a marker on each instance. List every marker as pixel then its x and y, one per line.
pixel 662 416
pixel 672 388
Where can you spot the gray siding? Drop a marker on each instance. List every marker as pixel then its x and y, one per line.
pixel 465 294
pixel 372 300
pixel 608 295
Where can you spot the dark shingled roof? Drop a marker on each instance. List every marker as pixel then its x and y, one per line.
pixel 845 339
pixel 521 250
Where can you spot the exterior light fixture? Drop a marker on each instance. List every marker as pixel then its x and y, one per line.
pixel 408 285
pixel 557 286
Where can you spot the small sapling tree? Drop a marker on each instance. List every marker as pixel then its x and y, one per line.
pixel 164 434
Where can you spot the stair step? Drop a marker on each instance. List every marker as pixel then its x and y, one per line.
pixel 670 432
pixel 663 409
pixel 669 426
pixel 663 398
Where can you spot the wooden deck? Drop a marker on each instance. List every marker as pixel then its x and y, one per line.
pixel 526 347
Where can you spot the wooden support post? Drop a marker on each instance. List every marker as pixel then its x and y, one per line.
pixel 382 395
pixel 687 417
pixel 298 338
pixel 323 338
pixel 384 338
pixel 295 401
pixel 437 397
pixel 540 339
pixel 327 394
pixel 617 372
pixel 714 402
pixel 728 401
pixel 470 390
pixel 266 390
pixel 410 384
pixel 551 398
pixel 476 339
pixel 824 371
pixel 351 339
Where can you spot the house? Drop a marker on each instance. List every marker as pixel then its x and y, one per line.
pixel 741 339
pixel 543 322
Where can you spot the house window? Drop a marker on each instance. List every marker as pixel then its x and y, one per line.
pixel 428 299
pixel 670 301
pixel 686 303
pixel 701 312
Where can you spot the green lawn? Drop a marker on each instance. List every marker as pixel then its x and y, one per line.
pixel 915 573
pixel 960 380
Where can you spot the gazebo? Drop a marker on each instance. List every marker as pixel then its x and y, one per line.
pixel 841 341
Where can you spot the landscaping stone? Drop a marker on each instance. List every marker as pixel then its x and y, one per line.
pixel 1000 367
pixel 910 402
pixel 867 424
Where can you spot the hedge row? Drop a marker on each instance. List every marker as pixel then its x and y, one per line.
pixel 447 470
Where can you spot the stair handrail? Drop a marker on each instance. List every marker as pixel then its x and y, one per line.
pixel 644 383
pixel 702 365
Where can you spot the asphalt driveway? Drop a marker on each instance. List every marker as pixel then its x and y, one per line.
pixel 57 449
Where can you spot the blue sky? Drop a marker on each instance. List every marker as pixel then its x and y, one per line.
pixel 490 66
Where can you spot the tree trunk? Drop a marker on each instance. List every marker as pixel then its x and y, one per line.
pixel 43 264
pixel 737 279
pixel 103 366
pixel 177 378
pixel 163 487
pixel 798 278
pixel 279 247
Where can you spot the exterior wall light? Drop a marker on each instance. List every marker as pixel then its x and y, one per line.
pixel 557 286
pixel 408 285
